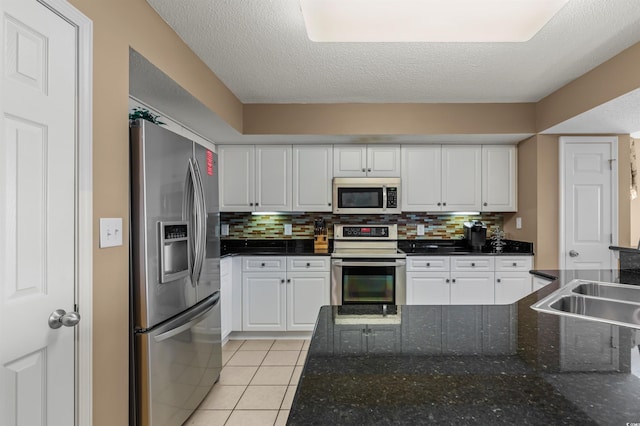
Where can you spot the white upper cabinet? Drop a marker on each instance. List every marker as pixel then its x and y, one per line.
pixel 236 177
pixel 312 174
pixel 366 161
pixel 273 173
pixel 461 177
pixel 421 177
pixel 255 178
pixel 441 177
pixel 499 178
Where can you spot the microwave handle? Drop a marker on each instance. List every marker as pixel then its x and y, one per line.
pixel 384 197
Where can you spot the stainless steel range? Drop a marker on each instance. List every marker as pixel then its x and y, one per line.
pixel 366 266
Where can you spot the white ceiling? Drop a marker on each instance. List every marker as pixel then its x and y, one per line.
pixel 260 50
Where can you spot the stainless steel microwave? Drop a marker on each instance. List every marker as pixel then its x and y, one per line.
pixel 366 195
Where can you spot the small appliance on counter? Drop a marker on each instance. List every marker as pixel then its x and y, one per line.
pixel 476 234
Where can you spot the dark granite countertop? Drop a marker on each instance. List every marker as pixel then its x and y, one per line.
pixel 606 275
pixel 464 365
pixel 304 247
pixel 264 247
pixel 460 247
pixel 626 249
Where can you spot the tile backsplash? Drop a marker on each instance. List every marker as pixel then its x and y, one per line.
pixel 436 226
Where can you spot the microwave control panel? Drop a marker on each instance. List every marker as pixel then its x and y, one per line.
pixel 392 197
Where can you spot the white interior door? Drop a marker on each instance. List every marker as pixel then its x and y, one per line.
pixel 588 181
pixel 37 213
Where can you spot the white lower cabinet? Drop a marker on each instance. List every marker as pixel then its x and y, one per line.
pixel 264 301
pixel 226 296
pixel 283 293
pixel 467 280
pixel 306 293
pixel 512 286
pixel 472 288
pixel 428 288
pixel 539 282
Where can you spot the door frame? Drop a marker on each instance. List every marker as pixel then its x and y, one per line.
pixel 563 142
pixel 84 208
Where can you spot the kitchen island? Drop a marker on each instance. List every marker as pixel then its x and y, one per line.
pixel 503 364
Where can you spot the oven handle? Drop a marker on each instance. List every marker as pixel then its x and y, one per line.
pixel 396 263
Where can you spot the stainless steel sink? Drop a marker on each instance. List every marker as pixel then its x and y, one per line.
pixel 609 291
pixel 612 303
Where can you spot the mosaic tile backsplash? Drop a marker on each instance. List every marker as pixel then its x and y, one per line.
pixel 442 227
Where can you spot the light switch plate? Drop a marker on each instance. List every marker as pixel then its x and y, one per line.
pixel 420 230
pixel 518 223
pixel 224 229
pixel 110 232
pixel 287 229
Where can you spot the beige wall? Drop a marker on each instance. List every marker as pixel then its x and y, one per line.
pixel 635 205
pixel 539 197
pixel 607 81
pixel 348 119
pixel 121 24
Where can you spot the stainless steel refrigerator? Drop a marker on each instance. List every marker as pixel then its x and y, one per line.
pixel 175 281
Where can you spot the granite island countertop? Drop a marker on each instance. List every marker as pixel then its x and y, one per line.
pixel 500 364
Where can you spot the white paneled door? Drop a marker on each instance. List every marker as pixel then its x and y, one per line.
pixel 588 181
pixel 37 214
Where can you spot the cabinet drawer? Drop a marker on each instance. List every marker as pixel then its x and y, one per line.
pixel 428 263
pixel 514 263
pixel 263 263
pixel 306 264
pixel 470 263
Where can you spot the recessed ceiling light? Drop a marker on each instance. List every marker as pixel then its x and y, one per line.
pixel 426 20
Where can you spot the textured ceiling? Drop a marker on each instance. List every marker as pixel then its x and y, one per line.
pixel 260 50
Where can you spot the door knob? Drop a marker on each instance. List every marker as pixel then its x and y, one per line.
pixel 60 317
pixel 574 253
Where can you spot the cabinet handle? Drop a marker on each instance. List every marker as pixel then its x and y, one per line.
pixel 363 170
pixel 308 264
pixel 439 204
pixel 288 280
pixel 262 264
pixel 453 280
pixel 485 204
pixel 257 204
pixel 447 280
pixel 473 264
pixel 282 281
pixel 251 204
pixel 329 204
pixel 368 170
pixel 499 280
pixel 515 264
pixel 444 204
pixel 428 264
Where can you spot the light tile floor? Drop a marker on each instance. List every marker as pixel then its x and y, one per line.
pixel 256 386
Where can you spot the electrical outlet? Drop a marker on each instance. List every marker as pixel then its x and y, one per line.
pixel 224 229
pixel 518 223
pixel 110 232
pixel 420 229
pixel 287 229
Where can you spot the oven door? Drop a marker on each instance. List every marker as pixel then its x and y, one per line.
pixel 368 281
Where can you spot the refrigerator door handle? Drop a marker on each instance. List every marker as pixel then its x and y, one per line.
pixel 201 212
pixel 189 214
pixel 191 321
